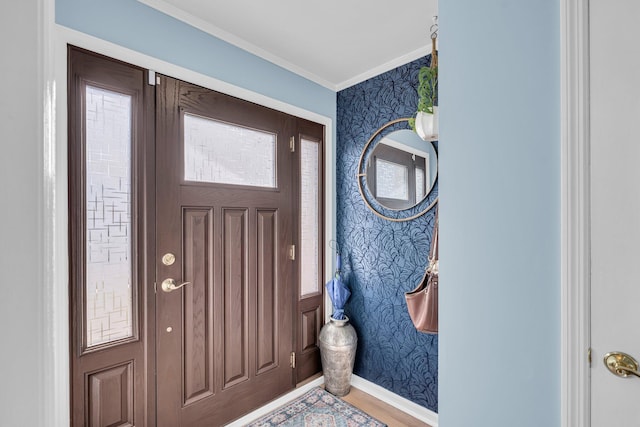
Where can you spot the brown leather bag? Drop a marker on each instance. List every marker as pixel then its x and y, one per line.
pixel 422 302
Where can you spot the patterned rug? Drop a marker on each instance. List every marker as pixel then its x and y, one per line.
pixel 317 408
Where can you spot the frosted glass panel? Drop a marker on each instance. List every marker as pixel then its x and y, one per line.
pixel 392 180
pixel 309 217
pixel 223 153
pixel 108 269
pixel 420 184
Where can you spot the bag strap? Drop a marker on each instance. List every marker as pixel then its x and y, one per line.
pixel 433 250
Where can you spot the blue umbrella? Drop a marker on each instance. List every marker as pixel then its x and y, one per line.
pixel 338 291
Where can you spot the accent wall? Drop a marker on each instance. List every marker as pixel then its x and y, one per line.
pixel 382 259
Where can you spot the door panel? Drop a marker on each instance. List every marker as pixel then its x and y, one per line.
pixel 197 305
pixel 109 144
pixel 267 304
pixel 310 304
pixel 615 207
pixel 111 396
pixel 224 339
pixel 235 290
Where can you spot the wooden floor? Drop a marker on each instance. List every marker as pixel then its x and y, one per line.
pixel 380 410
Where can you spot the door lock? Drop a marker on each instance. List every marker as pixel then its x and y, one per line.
pixel 170 285
pixel 621 364
pixel 168 258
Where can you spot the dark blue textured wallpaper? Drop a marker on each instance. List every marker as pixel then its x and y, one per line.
pixel 382 259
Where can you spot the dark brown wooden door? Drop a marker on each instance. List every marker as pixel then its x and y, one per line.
pixel 308 184
pixel 225 224
pixel 145 208
pixel 110 143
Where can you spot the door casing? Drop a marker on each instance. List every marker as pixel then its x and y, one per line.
pixel 575 397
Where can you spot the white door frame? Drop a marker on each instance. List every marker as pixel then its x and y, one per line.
pixel 575 268
pixel 575 214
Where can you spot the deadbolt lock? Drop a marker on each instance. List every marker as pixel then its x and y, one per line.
pixel 168 258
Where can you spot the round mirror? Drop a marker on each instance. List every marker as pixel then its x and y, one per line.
pixel 401 169
pixel 397 172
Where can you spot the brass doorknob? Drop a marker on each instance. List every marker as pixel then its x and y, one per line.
pixel 170 285
pixel 621 364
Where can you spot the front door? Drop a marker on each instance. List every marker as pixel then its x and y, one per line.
pixel 195 241
pixel 615 212
pixel 225 284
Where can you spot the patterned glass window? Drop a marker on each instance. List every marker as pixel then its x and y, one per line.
pixel 392 180
pixel 224 153
pixel 420 184
pixel 108 232
pixel 309 217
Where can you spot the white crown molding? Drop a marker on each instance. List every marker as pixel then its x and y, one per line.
pixel 575 214
pixel 67 35
pixel 207 27
pixel 405 405
pixel 383 68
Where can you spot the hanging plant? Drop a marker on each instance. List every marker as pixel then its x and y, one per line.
pixel 427 89
pixel 425 123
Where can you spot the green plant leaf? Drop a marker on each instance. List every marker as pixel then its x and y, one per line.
pixel 427 88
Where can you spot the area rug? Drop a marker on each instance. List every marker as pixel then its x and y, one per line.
pixel 317 408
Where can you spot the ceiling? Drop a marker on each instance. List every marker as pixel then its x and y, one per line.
pixel 335 43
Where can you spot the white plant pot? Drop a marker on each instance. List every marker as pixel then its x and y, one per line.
pixel 427 124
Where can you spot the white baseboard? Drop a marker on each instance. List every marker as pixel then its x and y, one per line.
pixel 416 411
pixel 405 405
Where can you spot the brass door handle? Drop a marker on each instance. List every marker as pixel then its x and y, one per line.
pixel 621 364
pixel 170 285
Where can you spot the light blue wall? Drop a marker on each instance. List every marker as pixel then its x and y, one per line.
pixel 499 347
pixel 499 186
pixel 136 26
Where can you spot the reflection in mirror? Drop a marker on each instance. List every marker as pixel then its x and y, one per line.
pixel 401 170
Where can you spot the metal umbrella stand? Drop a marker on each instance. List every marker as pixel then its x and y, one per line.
pixel 338 340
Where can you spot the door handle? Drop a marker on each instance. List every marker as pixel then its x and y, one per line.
pixel 621 364
pixel 170 285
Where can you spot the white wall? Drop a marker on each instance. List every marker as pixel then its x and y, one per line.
pixel 22 287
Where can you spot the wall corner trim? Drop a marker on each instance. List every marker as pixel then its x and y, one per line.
pixel 405 405
pixel 575 399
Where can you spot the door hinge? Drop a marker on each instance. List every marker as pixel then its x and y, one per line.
pixel 292 252
pixel 589 355
pixel 292 360
pixel 292 144
pixel 152 78
pixel 155 287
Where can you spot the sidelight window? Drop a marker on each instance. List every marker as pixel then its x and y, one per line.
pixel 310 217
pixel 108 227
